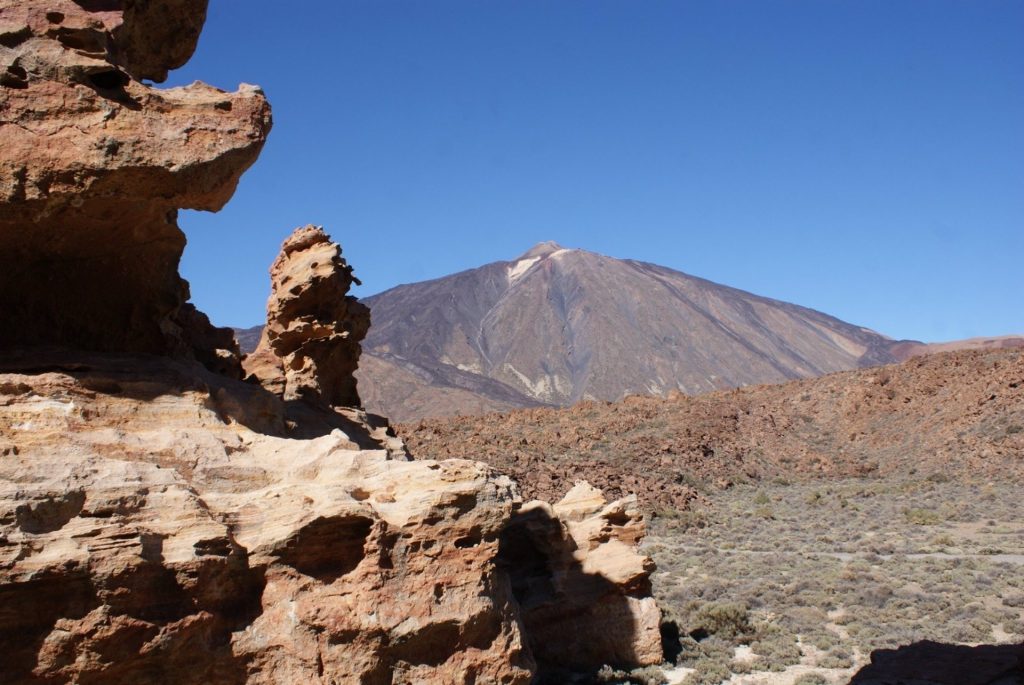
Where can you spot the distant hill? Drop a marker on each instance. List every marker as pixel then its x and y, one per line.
pixel 943 415
pixel 556 326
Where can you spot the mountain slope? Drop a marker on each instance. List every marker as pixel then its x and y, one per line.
pixel 557 326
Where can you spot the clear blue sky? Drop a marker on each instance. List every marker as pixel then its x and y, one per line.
pixel 864 158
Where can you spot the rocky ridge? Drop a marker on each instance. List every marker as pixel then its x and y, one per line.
pixel 945 413
pixel 163 521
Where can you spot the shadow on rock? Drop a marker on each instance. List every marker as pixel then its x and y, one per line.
pixel 575 619
pixel 146 378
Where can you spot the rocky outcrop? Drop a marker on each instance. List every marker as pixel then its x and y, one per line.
pixel 154 529
pixel 95 164
pixel 158 526
pixel 162 521
pixel 583 589
pixel 309 349
pixel 934 663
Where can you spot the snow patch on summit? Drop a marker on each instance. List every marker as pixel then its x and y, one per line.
pixel 519 268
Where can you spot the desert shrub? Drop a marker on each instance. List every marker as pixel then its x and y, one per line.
pixel 1015 599
pixel 922 517
pixel 762 498
pixel 708 672
pixel 777 648
pixel 837 657
pixel 727 621
pixel 647 675
pixel 710 649
pixel 687 520
pixel 811 679
pixel 824 640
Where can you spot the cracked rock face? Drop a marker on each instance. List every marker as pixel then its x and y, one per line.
pixel 309 349
pixel 156 526
pixel 94 166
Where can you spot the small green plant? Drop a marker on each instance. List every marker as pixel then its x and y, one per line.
pixel 811 679
pixel 646 675
pixel 922 517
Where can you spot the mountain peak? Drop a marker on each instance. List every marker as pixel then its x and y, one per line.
pixel 548 247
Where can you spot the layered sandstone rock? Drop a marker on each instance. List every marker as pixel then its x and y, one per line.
pixel 94 166
pixel 583 589
pixel 156 526
pixel 309 349
pixel 155 530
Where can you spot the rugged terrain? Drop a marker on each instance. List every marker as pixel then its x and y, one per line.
pixel 163 520
pixel 95 165
pixel 952 412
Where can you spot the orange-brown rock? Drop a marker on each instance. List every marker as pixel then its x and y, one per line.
pixel 309 349
pixel 156 527
pixel 94 165
pixel 583 589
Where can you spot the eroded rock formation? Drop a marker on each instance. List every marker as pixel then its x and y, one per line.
pixel 162 520
pixel 154 530
pixel 309 349
pixel 94 165
pixel 583 589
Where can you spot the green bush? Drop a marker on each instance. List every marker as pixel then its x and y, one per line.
pixel 836 657
pixel 708 672
pixel 777 648
pixel 922 517
pixel 811 679
pixel 727 621
pixel 646 675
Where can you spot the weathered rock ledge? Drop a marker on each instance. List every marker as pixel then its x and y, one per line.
pixel 94 165
pixel 152 533
pixel 158 526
